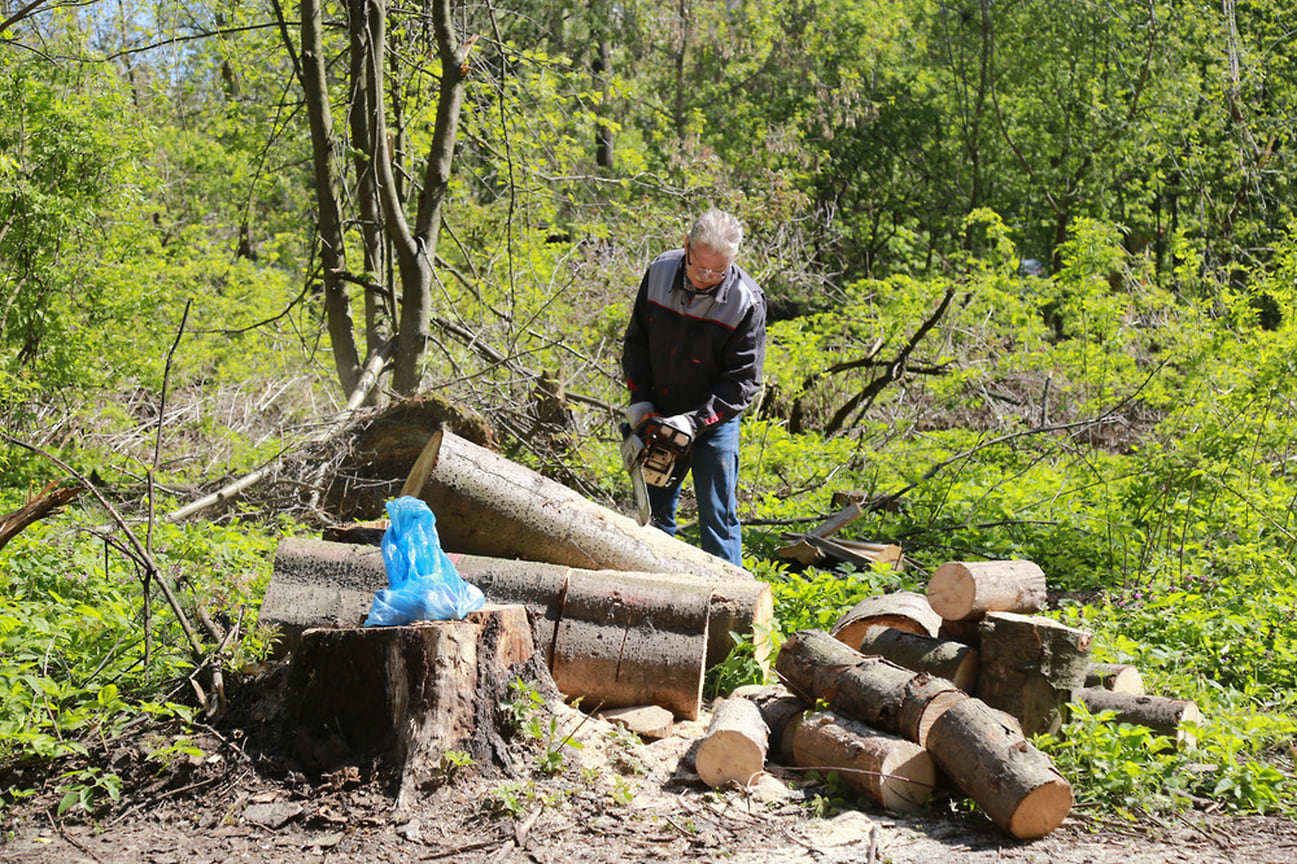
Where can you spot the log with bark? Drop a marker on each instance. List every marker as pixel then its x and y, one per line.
pixel 409 694
pixel 781 711
pixel 904 610
pixel 960 590
pixel 1174 718
pixel 880 693
pixel 626 642
pixel 487 505
pixel 954 661
pixel 734 748
pixel 1016 785
pixel 886 769
pixel 317 583
pixel 1031 667
pixel 1118 677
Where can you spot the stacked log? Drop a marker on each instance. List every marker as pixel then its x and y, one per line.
pixel 989 760
pixel 902 610
pixel 944 658
pixel 610 638
pixel 895 773
pixel 734 749
pixel 1031 667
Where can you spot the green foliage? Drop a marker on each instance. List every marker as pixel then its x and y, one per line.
pixel 79 665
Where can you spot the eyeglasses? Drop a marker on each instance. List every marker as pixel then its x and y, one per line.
pixel 702 272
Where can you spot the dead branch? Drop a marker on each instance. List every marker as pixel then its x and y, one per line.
pixel 49 501
pixel 893 371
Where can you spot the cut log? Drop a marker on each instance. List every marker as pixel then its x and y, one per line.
pixel 321 584
pixel 903 610
pixel 781 711
pixel 488 505
pixel 734 748
pixel 647 721
pixel 409 694
pixel 1164 715
pixel 1118 677
pixel 943 658
pixel 878 692
pixel 959 590
pixel 1031 667
pixel 1014 783
pixel 890 771
pixel 620 643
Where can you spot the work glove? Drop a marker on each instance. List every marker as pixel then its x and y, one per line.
pixel 680 423
pixel 636 413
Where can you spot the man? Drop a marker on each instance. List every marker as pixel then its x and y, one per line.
pixel 693 352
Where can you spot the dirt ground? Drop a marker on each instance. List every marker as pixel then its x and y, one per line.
pixel 614 798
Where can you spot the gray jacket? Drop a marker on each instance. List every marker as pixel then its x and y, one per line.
pixel 692 353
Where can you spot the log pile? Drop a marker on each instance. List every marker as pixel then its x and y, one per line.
pixel 916 699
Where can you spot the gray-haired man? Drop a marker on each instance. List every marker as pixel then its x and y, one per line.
pixel 694 352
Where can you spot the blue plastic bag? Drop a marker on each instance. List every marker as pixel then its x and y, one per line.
pixel 423 583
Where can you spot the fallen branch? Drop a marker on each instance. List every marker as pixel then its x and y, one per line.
pixel 49 501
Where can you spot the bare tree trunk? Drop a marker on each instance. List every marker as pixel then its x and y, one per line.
pixel 328 185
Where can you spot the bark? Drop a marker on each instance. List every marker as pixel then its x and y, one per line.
pixel 317 583
pixel 1016 785
pixel 620 643
pixel 1164 715
pixel 328 196
pixel 1032 667
pixel 960 590
pixel 407 695
pixel 1118 677
pixel 878 692
pixel 734 748
pixel 943 658
pixel 903 610
pixel 781 711
pixel 488 505
pixel 890 771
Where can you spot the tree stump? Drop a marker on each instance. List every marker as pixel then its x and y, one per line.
pixel 943 658
pixel 1164 715
pixel 1031 667
pixel 409 694
pixel 903 610
pixel 734 748
pixel 1014 783
pixel 960 590
pixel 890 771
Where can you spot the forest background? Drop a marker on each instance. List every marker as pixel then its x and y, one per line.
pixel 1032 271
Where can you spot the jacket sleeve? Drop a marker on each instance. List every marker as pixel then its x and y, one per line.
pixel 744 360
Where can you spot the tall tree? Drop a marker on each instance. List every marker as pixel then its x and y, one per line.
pixel 377 195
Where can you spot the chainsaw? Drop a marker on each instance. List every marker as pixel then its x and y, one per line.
pixel 651 451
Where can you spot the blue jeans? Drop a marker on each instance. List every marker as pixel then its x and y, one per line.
pixel 714 461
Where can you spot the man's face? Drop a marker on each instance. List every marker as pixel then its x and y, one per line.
pixel 704 266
